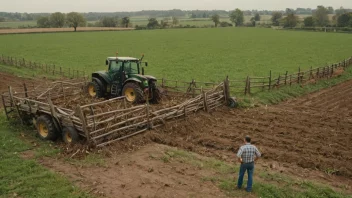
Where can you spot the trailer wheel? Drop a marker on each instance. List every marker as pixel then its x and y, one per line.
pixel 70 135
pixel 46 128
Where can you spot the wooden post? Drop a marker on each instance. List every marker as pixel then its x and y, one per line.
pixel 332 71
pixel 13 104
pixel 246 86
pixel 193 88
pixel 318 73
pixel 63 91
pixel 205 100
pixel 298 75
pixel 25 90
pixel 84 123
pixel 290 79
pixel 227 82
pixel 286 77
pixel 278 81
pixel 270 81
pixel 147 111
pixel 249 85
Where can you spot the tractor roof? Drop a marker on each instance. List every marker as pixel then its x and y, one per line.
pixel 123 58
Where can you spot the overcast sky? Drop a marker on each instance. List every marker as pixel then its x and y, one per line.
pixel 135 5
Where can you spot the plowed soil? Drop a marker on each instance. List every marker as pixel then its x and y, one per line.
pixel 311 132
pixel 308 137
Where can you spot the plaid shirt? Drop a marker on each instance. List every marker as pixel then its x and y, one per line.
pixel 247 153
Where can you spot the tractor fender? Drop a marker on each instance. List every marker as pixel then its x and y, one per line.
pixel 99 81
pixel 103 78
pixel 132 80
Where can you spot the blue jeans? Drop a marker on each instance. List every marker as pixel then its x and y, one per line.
pixel 250 170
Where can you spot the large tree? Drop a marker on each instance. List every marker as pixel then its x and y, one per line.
pixel 109 22
pixel 216 19
pixel 321 16
pixel 75 20
pixel 57 20
pixel 237 17
pixel 257 17
pixel 344 20
pixel 152 23
pixel 125 21
pixel 174 20
pixel 309 21
pixel 275 18
pixel 43 22
pixel 291 20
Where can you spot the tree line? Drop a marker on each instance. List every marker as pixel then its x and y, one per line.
pixel 96 16
pixel 59 20
pixel 320 18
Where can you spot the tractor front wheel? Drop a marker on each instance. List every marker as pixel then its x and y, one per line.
pixel 94 90
pixel 46 128
pixel 133 93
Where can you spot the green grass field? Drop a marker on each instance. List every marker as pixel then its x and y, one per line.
pixel 25 177
pixel 203 54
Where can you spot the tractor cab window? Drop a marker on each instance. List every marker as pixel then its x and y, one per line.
pixel 131 67
pixel 115 66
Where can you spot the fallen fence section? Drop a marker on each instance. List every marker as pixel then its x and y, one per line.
pixel 102 122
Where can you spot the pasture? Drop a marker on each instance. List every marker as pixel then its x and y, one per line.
pixel 202 54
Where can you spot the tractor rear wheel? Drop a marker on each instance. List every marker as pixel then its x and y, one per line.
pixel 156 94
pixel 94 90
pixel 133 93
pixel 46 128
pixel 70 135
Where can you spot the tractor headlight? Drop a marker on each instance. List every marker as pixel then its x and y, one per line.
pixel 145 83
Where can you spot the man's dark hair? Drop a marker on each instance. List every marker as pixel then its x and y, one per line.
pixel 248 139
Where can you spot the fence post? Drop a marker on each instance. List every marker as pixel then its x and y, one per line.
pixel 246 86
pixel 270 81
pixel 290 79
pixel 332 71
pixel 286 77
pixel 249 85
pixel 317 75
pixel 298 75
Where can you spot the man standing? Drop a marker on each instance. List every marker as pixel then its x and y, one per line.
pixel 247 155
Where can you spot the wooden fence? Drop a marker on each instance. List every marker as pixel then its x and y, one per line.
pixel 45 68
pixel 255 84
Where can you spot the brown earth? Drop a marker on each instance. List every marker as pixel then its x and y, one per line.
pixel 308 137
pixel 46 30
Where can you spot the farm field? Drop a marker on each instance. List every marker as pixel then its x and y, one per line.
pixel 301 140
pixel 202 54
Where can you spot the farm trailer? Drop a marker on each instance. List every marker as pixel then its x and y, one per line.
pixel 63 109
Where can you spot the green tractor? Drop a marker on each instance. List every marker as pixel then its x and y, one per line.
pixel 124 77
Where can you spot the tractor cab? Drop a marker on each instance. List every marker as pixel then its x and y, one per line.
pixel 124 77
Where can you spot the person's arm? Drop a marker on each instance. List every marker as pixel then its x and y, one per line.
pixel 257 154
pixel 239 155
